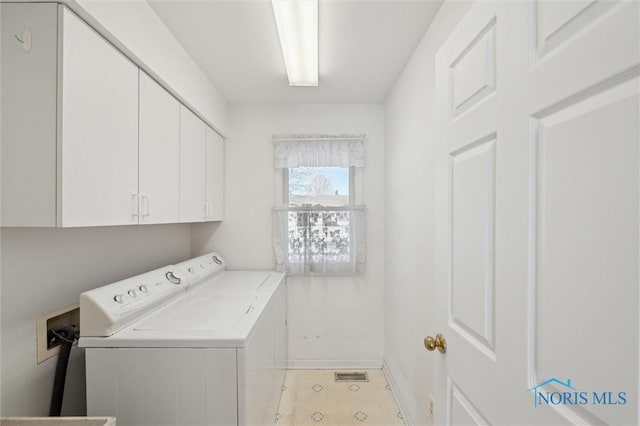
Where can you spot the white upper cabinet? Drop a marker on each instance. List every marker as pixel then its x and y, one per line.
pixel 215 176
pixel 89 139
pixel 159 150
pixel 192 167
pixel 98 158
pixel 201 170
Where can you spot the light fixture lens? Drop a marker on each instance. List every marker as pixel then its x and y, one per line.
pixel 297 22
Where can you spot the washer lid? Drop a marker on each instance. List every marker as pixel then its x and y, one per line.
pixel 176 325
pixel 222 311
pixel 196 314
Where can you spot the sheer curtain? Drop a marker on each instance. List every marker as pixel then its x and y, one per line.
pixel 319 239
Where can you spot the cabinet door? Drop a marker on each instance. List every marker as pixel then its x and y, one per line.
pixel 215 175
pixel 159 173
pixel 98 131
pixel 192 167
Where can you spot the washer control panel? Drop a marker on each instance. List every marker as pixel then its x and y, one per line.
pixel 202 267
pixel 173 278
pixel 107 309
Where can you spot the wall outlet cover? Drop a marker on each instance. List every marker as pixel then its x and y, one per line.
pixel 69 314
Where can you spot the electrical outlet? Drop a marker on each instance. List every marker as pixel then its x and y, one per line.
pixel 431 405
pixel 69 314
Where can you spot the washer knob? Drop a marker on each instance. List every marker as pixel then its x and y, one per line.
pixel 191 269
pixel 133 293
pixel 119 298
pixel 171 277
pixel 143 288
pixel 217 259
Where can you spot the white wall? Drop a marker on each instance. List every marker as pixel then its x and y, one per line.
pixel 136 29
pixel 44 269
pixel 335 321
pixel 1 394
pixel 409 221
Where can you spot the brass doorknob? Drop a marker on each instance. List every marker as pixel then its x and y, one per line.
pixel 439 342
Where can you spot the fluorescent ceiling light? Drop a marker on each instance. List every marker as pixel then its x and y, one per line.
pixel 297 22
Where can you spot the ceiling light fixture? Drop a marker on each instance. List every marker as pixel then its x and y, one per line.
pixel 297 22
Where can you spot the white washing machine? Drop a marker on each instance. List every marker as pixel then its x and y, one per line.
pixel 186 344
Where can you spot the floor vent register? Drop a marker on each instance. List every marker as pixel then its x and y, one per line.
pixel 352 377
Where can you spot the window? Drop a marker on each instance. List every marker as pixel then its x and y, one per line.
pixel 318 228
pixel 318 218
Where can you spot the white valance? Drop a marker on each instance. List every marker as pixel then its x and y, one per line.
pixel 318 151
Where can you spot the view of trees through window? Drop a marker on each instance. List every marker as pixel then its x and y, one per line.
pixel 325 186
pixel 318 234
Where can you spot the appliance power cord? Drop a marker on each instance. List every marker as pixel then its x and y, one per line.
pixel 65 334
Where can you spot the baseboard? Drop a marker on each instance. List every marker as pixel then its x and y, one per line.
pixel 333 364
pixel 402 392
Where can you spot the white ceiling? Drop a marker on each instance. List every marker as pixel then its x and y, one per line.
pixel 364 45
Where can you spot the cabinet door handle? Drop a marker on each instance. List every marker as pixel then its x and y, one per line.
pixel 206 209
pixel 135 205
pixel 145 205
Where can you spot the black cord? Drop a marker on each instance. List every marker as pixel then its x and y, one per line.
pixel 61 337
pixel 65 334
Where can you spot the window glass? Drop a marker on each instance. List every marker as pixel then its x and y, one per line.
pixel 319 237
pixel 318 186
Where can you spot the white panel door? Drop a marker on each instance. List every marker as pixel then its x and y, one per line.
pixel 192 167
pixel 98 129
pixel 215 175
pixel 159 172
pixel 538 215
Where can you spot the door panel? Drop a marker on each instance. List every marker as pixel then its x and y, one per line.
pixel 584 208
pixel 556 22
pixel 597 52
pixel 468 85
pixel 462 411
pixel 473 73
pixel 537 214
pixel 472 269
pixel 585 211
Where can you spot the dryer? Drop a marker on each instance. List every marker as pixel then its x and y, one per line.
pixel 186 344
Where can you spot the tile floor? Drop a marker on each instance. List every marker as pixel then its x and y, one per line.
pixel 312 397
